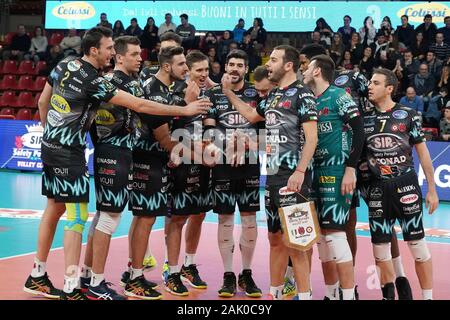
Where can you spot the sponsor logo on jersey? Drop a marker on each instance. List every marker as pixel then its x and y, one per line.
pixel 250 93
pixel 376 214
pixel 364 166
pixel 412 209
pixel 54 118
pixel 406 189
pixel 273 119
pixel 327 179
pixel 394 128
pixel 341 80
pixel 402 127
pixel 194 170
pixel 325 127
pixel 324 111
pixel 291 92
pixel 383 142
pixel 409 198
pixel 286 104
pixel 375 204
pixel 59 104
pixel 385 170
pixel 376 193
pixel 74 65
pixel 321 152
pixel 104 118
pixel 400 114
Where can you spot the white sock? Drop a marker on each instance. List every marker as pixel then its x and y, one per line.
pixel 86 272
pixel 189 259
pixel 70 284
pixel 96 279
pixel 348 294
pixel 135 273
pixel 398 267
pixel 333 291
pixel 304 295
pixel 247 241
pixel 427 294
pixel 226 241
pixel 174 269
pixel 289 273
pixel 39 268
pixel 148 252
pixel 276 292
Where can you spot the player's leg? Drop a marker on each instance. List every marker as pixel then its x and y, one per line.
pixel 401 281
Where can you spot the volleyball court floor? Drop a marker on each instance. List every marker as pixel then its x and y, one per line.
pixel 21 206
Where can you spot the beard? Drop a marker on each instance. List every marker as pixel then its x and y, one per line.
pixel 239 77
pixel 176 77
pixel 276 75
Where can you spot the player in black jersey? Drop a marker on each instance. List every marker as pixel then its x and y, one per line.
pixel 391 132
pixel 67 106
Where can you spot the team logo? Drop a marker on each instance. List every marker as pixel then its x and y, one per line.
pixel 341 80
pixel 250 93
pixel 291 92
pixel 409 198
pixel 400 114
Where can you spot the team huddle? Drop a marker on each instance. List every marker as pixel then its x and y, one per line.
pixel 170 142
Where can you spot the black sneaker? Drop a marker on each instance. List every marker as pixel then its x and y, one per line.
pixel 403 289
pixel 190 274
pixel 248 285
pixel 175 286
pixel 76 294
pixel 84 284
pixel 228 289
pixel 388 291
pixel 139 288
pixel 126 276
pixel 356 293
pixel 103 292
pixel 41 286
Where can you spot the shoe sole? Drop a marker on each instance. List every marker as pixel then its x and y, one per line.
pixel 289 294
pixel 193 285
pixel 132 295
pixel 123 284
pixel 226 295
pixel 184 294
pixel 251 295
pixel 40 293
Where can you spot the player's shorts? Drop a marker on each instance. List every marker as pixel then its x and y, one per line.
pixel 274 200
pixel 150 191
pixel 227 193
pixel 113 177
pixel 355 200
pixel 332 207
pixel 191 189
pixel 67 184
pixel 398 198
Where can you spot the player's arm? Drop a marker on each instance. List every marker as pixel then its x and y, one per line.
pixel 44 102
pixel 431 200
pixel 244 109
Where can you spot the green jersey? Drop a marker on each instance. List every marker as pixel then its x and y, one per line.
pixel 335 107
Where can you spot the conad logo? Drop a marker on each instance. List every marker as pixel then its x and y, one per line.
pixel 417 11
pixel 77 10
pixel 104 118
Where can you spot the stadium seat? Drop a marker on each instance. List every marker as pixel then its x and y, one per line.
pixel 39 84
pixel 9 67
pixel 25 99
pixel 24 114
pixel 55 38
pixel 7 112
pixel 8 38
pixel 8 99
pixel 26 67
pixel 40 66
pixel 25 83
pixel 7 117
pixel 36 100
pixel 36 116
pixel 8 82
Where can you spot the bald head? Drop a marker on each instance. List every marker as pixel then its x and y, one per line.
pixel 410 93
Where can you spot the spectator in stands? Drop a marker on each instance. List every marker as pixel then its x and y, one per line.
pixel 238 31
pixel 346 62
pixel 440 48
pixel 233 45
pixel 210 41
pixel 153 56
pixel 216 73
pixel 432 115
pixel 316 38
pixel 104 21
pixel 39 44
pixel 423 82
pixel 444 125
pixel 20 45
pixel 346 30
pixel 337 48
pixel 119 29
pixel 368 32
pixel 444 80
pixel 434 65
pixel 254 59
pixel 149 36
pixel 224 43
pixel 386 27
pixel 410 67
pixel 405 32
pixel 419 46
pixel 428 29
pixel 212 55
pixel 367 63
pixel 326 33
pixel 445 30
pixel 356 48
pixel 54 57
pixel 71 44
pixel 167 25
pixel 379 46
pixel 186 31
pixel 258 34
pixel 133 29
pixel 412 100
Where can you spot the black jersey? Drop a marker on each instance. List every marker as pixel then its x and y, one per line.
pixel 356 84
pixel 77 91
pixel 285 110
pixel 390 137
pixel 117 125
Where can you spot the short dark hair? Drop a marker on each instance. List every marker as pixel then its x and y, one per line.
pixel 405 16
pixel 260 22
pixel 237 54
pixel 134 19
pixel 447 17
pixel 170 36
pixel 240 19
pixel 428 16
pixel 194 57
pixel 260 73
pixel 121 43
pixel 347 16
pixel 168 14
pixel 390 78
pixel 313 49
pixel 166 54
pixel 326 65
pixel 290 55
pixel 93 37
pixel 184 15
pixel 102 14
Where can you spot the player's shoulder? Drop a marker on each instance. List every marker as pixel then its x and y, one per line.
pixel 401 112
pixel 216 89
pixel 249 90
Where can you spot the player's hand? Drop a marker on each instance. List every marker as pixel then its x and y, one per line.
pixel 226 82
pixel 348 181
pixel 431 201
pixel 295 181
pixel 192 91
pixel 200 106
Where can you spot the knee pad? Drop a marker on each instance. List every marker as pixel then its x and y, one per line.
pixel 322 247
pixel 108 222
pixel 225 231
pixel 77 215
pixel 94 224
pixel 419 250
pixel 382 251
pixel 249 231
pixel 338 248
